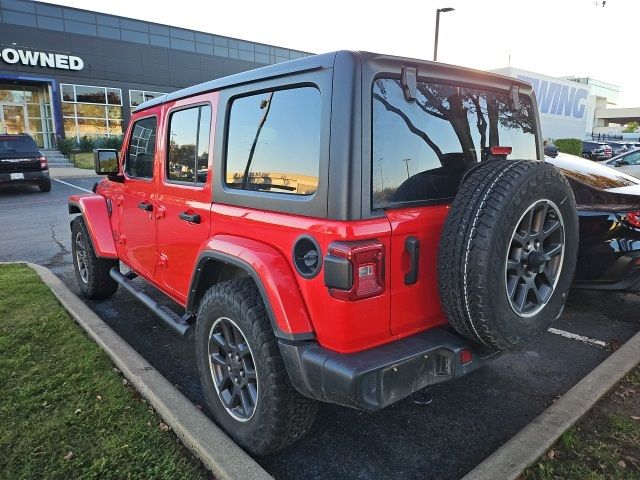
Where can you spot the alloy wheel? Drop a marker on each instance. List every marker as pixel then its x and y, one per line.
pixel 233 369
pixel 534 258
pixel 82 257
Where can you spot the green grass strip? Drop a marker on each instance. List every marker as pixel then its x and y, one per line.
pixel 59 393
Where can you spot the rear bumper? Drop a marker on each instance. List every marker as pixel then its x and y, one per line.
pixel 35 178
pixel 378 377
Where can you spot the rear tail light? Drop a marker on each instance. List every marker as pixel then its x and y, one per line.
pixel 465 356
pixel 634 218
pixel 365 262
pixel 43 162
pixel 501 150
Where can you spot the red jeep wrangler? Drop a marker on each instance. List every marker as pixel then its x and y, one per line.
pixel 347 227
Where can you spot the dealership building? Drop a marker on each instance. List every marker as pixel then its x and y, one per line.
pixel 70 72
pixel 577 107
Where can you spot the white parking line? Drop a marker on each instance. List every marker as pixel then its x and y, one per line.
pixel 580 338
pixel 71 185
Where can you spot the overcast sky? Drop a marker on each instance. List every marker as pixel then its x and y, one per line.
pixel 553 37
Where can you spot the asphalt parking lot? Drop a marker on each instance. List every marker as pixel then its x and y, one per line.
pixel 444 439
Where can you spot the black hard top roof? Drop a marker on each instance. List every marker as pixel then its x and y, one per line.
pixel 313 62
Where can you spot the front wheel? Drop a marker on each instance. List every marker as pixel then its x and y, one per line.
pixel 92 272
pixel 243 376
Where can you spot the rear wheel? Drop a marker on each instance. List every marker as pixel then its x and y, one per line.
pixel 242 373
pixel 508 252
pixel 45 187
pixel 92 272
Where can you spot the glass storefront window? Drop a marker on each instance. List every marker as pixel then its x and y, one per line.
pixel 68 110
pixel 114 112
pixel 27 109
pixel 11 94
pixel 90 94
pixel 114 96
pixel 68 94
pixel 91 126
pixel 34 111
pixel 91 110
pixel 136 97
pixel 115 126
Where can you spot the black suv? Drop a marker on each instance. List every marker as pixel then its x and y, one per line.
pixel 21 162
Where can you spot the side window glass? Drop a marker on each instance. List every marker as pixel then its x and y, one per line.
pixel 273 142
pixel 633 158
pixel 188 154
pixel 142 148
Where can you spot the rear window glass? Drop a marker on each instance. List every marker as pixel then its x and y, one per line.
pixel 21 144
pixel 422 148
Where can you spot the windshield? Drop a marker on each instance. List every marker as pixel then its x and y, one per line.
pixel 422 148
pixel 22 144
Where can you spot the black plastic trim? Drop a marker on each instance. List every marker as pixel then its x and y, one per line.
pixel 225 258
pixel 412 246
pixel 338 273
pixel 375 378
pixel 171 319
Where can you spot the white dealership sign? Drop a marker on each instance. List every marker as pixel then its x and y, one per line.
pixel 40 59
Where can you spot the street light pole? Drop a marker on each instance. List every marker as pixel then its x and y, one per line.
pixel 435 43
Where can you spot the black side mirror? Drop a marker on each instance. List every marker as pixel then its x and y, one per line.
pixel 105 161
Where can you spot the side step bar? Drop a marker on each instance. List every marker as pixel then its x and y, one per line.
pixel 178 324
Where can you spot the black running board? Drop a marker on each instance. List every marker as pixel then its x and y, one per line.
pixel 178 324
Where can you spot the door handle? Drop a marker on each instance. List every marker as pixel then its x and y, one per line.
pixel 412 246
pixel 147 207
pixel 191 218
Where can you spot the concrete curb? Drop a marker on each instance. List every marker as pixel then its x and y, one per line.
pixel 200 435
pixel 535 439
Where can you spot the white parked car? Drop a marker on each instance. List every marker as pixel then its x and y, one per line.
pixel 628 162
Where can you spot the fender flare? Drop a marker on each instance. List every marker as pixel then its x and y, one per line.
pixel 95 213
pixel 267 267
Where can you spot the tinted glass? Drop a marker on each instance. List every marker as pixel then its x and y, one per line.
pixel 114 96
pixel 90 94
pixel 188 155
pixel 274 142
pixel 202 153
pixel 67 93
pixel 142 148
pixel 632 158
pixel 421 149
pixel 21 144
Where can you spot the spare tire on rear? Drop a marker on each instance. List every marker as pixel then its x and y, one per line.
pixel 508 252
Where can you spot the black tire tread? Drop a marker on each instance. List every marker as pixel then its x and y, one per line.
pixel 100 285
pixel 467 235
pixel 287 415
